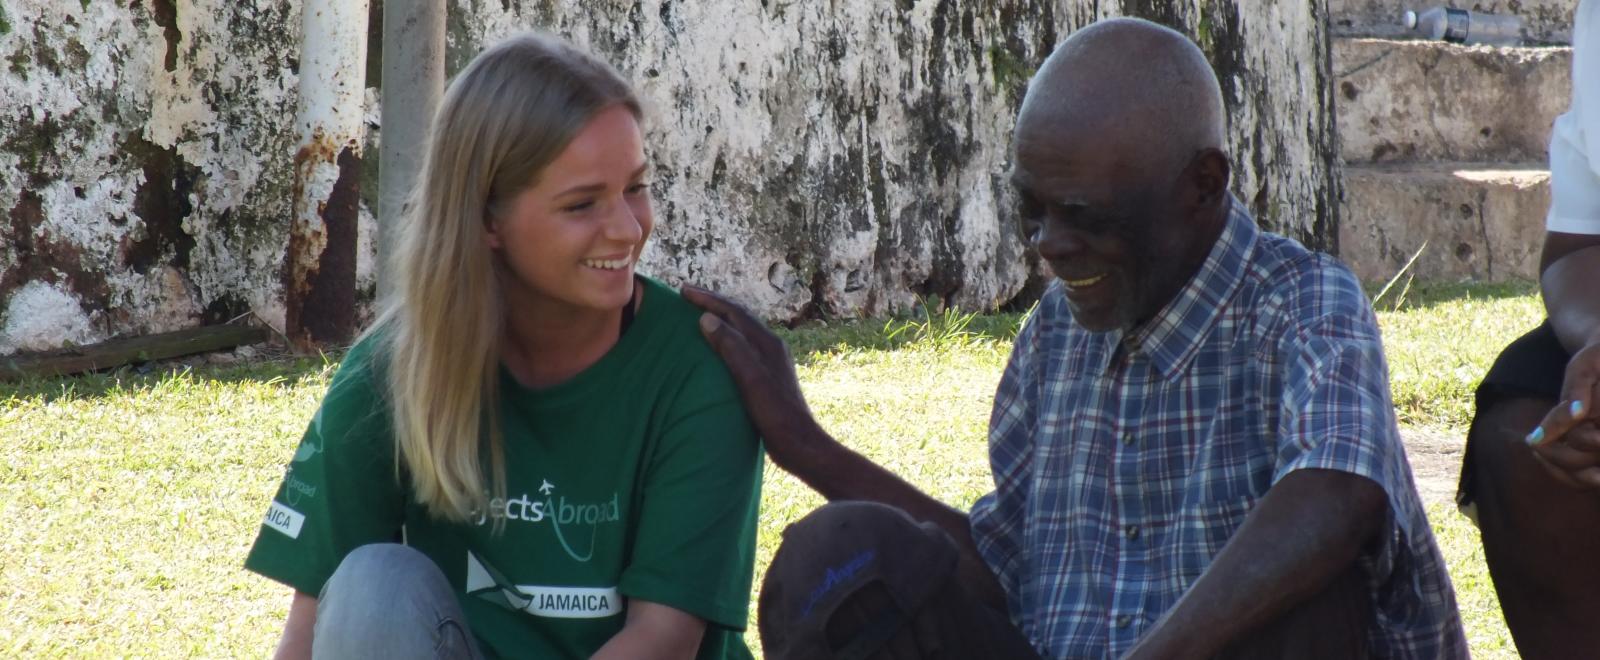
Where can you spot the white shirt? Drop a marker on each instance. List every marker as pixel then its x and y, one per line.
pixel 1575 138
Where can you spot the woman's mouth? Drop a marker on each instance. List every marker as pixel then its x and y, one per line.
pixel 608 264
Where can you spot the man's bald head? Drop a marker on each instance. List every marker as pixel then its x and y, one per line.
pixel 1120 174
pixel 1144 86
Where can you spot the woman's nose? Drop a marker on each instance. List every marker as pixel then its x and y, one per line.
pixel 625 225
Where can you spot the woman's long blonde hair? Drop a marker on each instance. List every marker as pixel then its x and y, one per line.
pixel 504 117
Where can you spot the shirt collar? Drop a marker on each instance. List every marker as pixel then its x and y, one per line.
pixel 1173 336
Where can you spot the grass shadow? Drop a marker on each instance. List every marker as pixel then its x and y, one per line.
pixel 283 370
pixel 814 340
pixel 1427 295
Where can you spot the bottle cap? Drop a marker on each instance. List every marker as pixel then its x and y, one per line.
pixel 1410 20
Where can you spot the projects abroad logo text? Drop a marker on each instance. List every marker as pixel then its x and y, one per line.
pixel 564 515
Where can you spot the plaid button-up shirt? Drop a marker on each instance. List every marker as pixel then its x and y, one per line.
pixel 1124 462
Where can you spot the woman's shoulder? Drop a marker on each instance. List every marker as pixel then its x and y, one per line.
pixel 362 363
pixel 356 389
pixel 675 333
pixel 673 318
pixel 664 299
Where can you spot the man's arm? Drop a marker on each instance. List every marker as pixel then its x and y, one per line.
pixel 762 368
pixel 1308 529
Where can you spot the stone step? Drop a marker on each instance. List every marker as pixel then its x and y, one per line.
pixel 1543 21
pixel 1417 101
pixel 1481 221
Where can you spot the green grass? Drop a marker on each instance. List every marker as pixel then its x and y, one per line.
pixel 130 500
pixel 1442 341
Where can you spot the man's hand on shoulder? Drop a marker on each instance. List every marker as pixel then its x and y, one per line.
pixel 764 372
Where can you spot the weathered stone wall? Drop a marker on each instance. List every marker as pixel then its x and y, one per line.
pixel 1272 58
pixel 812 158
pixel 144 165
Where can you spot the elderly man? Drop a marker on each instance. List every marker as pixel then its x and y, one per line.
pixel 1193 447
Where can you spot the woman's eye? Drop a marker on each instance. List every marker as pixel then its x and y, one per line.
pixel 578 207
pixel 638 188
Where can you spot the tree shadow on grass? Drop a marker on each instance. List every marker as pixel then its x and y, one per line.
pixel 278 370
pixel 813 340
pixel 1426 295
pixel 807 342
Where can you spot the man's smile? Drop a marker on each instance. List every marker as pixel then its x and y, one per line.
pixel 1084 282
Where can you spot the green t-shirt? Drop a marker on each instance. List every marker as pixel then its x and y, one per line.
pixel 638 478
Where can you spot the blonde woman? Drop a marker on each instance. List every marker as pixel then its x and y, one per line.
pixel 532 452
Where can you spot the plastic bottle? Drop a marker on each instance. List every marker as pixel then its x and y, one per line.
pixel 1466 27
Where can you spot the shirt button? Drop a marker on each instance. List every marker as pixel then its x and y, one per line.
pixel 1127 439
pixel 1132 532
pixel 1124 621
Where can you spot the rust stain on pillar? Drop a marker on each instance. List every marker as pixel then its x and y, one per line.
pixel 320 289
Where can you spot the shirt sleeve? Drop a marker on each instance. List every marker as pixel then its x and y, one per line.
pixel 998 518
pixel 695 547
pixel 339 491
pixel 1575 137
pixel 1337 415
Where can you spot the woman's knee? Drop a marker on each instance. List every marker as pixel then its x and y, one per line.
pixel 390 600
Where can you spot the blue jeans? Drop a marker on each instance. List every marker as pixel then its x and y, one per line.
pixel 390 601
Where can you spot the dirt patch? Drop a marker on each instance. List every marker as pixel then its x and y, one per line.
pixel 1435 455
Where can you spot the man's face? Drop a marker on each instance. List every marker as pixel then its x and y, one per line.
pixel 1109 228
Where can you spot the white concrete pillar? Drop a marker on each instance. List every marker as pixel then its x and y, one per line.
pixel 321 262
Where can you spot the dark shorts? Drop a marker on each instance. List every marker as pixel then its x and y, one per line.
pixel 1532 367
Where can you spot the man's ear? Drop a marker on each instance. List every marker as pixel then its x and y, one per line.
pixel 1205 180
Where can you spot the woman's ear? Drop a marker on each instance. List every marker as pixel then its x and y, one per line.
pixel 491 232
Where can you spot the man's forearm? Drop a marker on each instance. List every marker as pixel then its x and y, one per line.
pixel 839 473
pixel 1302 534
pixel 1571 298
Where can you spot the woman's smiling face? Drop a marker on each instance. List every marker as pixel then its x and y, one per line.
pixel 570 241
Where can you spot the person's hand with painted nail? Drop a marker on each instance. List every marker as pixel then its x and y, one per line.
pixel 1567 441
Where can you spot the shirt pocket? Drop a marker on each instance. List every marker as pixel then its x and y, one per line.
pixel 1200 533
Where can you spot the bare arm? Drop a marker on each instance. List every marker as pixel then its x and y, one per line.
pixel 762 368
pixel 1307 529
pixel 1569 268
pixel 654 632
pixel 296 641
pixel 1567 442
